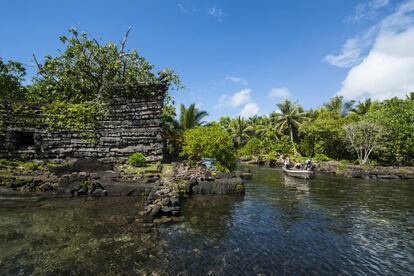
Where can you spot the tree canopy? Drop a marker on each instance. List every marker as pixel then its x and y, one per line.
pixel 88 70
pixel 12 75
pixel 210 142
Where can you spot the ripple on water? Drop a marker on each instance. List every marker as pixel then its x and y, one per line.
pixel 280 226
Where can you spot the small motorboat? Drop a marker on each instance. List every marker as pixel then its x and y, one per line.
pixel 302 174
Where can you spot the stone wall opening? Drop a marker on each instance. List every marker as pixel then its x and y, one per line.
pixel 23 140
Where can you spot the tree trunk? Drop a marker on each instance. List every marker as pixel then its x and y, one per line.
pixel 293 142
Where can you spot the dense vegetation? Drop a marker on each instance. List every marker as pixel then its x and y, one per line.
pixel 75 86
pixel 367 132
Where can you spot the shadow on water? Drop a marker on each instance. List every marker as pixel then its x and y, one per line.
pixel 206 214
pixel 73 236
pixel 282 225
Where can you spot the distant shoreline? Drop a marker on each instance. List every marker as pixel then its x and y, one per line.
pixel 353 171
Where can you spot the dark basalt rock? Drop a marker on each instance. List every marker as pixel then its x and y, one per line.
pixel 245 175
pixel 82 165
pixel 222 175
pixel 99 192
pixel 387 176
pixel 155 210
pixel 69 184
pixel 8 193
pixel 222 186
pixel 125 188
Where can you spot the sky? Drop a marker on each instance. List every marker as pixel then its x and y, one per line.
pixel 238 57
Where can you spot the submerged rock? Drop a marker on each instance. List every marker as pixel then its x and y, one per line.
pixel 222 186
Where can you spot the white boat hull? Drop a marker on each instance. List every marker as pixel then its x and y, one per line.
pixel 302 174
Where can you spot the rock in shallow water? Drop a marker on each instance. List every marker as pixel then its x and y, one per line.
pixel 221 186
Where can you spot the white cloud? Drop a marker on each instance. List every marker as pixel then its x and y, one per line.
pixel 387 71
pixel 182 8
pixel 237 80
pixel 237 99
pixel 367 10
pixel 249 110
pixel 381 58
pixel 216 13
pixel 281 92
pixel 354 49
pixel 241 98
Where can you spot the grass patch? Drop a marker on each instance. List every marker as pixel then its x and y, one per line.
pixel 30 165
pixel 403 171
pixel 126 168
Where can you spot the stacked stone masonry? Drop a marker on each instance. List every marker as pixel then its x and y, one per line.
pixel 131 125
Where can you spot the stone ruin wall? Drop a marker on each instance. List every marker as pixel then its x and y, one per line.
pixel 131 125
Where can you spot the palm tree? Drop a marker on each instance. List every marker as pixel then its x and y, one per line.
pixel 254 120
pixel 338 105
pixel 265 128
pixel 191 117
pixel 363 107
pixel 239 131
pixel 291 117
pixel 410 96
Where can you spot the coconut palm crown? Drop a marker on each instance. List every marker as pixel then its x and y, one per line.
pixel 191 117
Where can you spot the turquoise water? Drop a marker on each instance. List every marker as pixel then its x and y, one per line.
pixel 280 226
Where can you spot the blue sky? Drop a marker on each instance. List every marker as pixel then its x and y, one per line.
pixel 239 57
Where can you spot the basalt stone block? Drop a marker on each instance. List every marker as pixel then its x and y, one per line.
pixel 130 125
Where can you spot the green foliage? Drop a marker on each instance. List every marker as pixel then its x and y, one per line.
pixel 11 77
pixel 87 70
pixel 81 117
pixel 253 147
pixel 75 86
pixel 366 106
pixel 321 157
pixel 397 117
pixel 324 135
pixel 291 118
pixel 191 117
pixel 240 131
pixel 339 106
pixel 224 122
pixel 344 162
pixel 136 159
pixel 210 142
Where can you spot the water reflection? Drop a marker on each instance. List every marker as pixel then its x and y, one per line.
pixel 301 185
pixel 326 226
pixel 206 214
pixel 72 236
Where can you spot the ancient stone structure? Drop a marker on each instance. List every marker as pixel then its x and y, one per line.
pixel 132 124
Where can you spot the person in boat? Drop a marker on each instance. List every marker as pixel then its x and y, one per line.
pixel 287 163
pixel 308 164
pixel 298 166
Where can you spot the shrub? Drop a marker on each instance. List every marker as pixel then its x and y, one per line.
pixel 321 157
pixel 210 142
pixel 344 162
pixel 271 157
pixel 253 147
pixel 136 159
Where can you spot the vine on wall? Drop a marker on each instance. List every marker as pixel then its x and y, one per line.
pixel 74 88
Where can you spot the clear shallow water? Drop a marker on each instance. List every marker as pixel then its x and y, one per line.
pixel 280 226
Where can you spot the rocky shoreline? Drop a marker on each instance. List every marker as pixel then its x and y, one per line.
pixel 350 170
pixel 366 172
pixel 162 186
